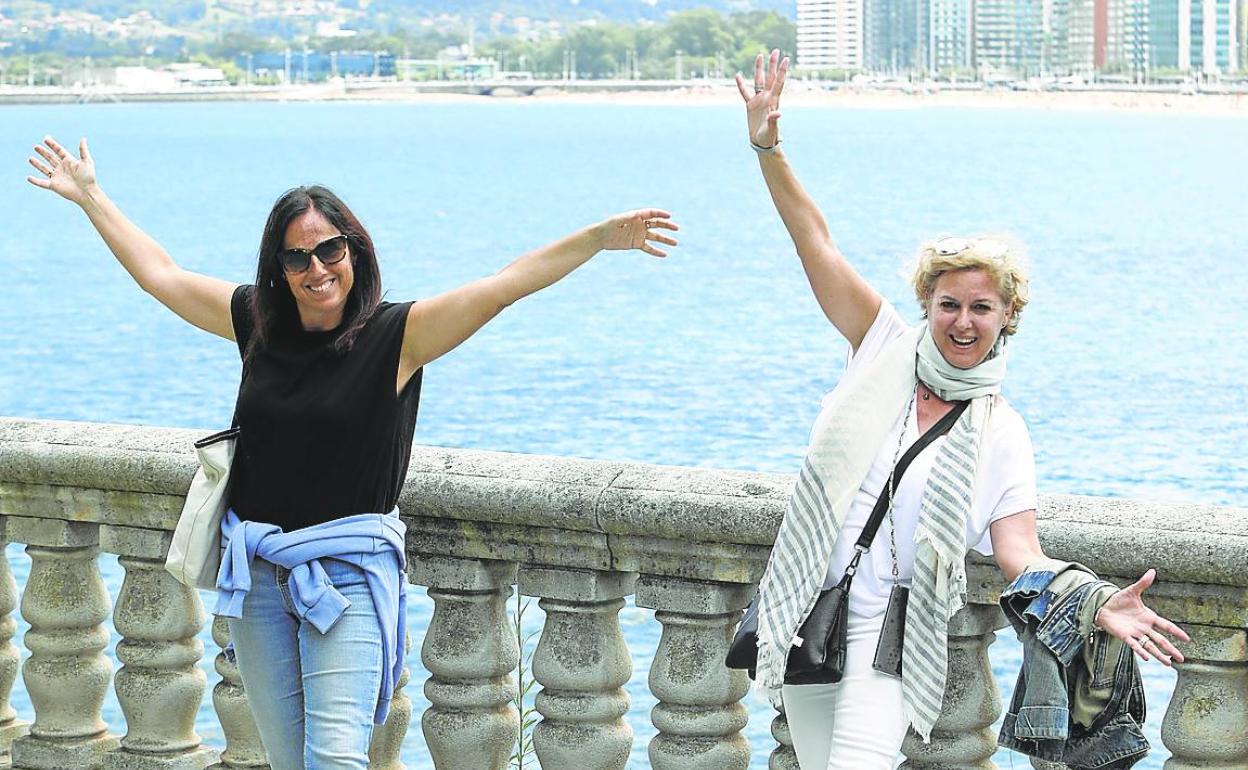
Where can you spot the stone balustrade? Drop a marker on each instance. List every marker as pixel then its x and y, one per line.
pixel 579 535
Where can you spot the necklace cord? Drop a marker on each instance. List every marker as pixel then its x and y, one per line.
pixel 891 489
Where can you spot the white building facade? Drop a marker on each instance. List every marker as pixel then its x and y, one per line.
pixel 830 34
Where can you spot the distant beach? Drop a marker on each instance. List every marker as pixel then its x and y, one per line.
pixel 800 94
pixel 642 93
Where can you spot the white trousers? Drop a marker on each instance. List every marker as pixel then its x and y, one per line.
pixel 854 724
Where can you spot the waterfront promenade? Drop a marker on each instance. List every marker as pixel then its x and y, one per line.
pixel 1212 98
pixel 582 535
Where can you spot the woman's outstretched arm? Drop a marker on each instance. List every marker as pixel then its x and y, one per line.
pixel 846 299
pixel 1015 545
pixel 197 299
pixel 436 326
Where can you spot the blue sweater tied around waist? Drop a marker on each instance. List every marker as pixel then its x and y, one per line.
pixel 371 541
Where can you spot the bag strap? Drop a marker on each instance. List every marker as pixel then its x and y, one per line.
pixel 942 426
pixel 242 379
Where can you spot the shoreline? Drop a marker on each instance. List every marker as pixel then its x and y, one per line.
pixel 896 99
pixel 941 96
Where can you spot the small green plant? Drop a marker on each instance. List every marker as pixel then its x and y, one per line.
pixel 524 686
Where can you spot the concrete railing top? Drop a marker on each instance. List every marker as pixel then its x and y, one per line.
pixel 690 522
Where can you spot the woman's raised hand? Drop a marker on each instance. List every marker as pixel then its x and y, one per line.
pixel 62 173
pixel 1127 617
pixel 635 229
pixel 762 107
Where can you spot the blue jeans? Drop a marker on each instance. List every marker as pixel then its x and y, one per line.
pixel 313 695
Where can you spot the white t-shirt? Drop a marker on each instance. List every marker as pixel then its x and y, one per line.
pixel 1005 485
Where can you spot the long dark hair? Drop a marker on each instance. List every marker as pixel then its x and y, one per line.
pixel 273 308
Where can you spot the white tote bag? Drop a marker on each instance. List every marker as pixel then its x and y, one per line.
pixel 195 553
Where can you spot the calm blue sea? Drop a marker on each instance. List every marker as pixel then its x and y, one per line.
pixel 1129 366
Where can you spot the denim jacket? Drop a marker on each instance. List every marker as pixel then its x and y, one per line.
pixel 1079 699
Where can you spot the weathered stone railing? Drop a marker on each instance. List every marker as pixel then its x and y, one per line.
pixel 580 535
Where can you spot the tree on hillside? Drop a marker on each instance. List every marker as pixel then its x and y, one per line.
pixel 707 41
pixel 512 53
pixel 237 42
pixel 599 49
pixel 758 32
pixel 700 32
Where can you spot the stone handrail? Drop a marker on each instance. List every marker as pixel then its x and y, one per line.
pixel 579 534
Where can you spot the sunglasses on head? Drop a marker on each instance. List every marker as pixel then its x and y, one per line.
pixel 329 252
pixel 989 248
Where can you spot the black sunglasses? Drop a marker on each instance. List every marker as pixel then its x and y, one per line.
pixel 329 252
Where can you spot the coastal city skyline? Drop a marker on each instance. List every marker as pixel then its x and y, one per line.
pixel 121 43
pixel 981 38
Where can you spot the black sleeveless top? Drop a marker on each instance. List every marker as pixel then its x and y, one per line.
pixel 323 434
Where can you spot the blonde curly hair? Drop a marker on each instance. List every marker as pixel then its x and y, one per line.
pixel 1000 257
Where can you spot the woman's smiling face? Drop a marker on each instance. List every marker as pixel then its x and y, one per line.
pixel 321 291
pixel 966 312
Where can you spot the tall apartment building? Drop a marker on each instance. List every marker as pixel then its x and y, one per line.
pixel 1214 36
pixel 830 34
pixel 1058 44
pixel 895 35
pixel 950 35
pixel 1243 35
pixel 1135 33
pixel 1010 35
pixel 1205 36
pixel 1169 49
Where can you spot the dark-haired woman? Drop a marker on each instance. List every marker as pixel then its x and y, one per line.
pixel 312 577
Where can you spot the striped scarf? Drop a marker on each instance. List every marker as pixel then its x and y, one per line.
pixel 844 441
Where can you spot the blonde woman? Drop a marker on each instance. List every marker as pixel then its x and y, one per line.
pixel 972 488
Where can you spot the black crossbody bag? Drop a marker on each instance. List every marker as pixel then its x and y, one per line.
pixel 820 659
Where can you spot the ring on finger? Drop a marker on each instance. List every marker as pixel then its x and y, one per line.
pixel 758 89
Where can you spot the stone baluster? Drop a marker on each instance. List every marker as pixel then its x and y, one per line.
pixel 1206 725
pixel 159 685
pixel 243 748
pixel 962 737
pixel 782 757
pixel 582 664
pixel 66 675
pixel 470 652
pixel 10 726
pixel 699 715
pixel 386 747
